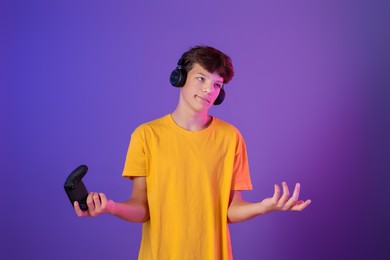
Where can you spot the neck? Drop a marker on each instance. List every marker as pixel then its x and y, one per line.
pixel 191 121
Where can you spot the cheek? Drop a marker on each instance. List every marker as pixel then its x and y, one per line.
pixel 187 91
pixel 216 92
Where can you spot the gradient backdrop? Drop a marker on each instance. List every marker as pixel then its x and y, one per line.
pixel 310 96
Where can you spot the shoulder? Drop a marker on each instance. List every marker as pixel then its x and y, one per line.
pixel 228 130
pixel 156 123
pixel 152 127
pixel 221 124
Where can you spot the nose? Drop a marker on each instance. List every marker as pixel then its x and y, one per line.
pixel 208 87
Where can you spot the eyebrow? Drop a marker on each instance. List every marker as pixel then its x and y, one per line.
pixel 200 73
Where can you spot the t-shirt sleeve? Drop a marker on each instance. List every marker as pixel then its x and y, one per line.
pixel 135 163
pixel 241 176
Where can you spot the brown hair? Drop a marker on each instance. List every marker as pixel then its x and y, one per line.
pixel 211 59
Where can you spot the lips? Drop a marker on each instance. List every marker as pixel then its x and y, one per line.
pixel 203 99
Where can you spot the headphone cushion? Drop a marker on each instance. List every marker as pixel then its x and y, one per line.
pixel 178 78
pixel 220 97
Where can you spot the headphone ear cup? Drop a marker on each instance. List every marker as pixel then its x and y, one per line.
pixel 220 97
pixel 178 78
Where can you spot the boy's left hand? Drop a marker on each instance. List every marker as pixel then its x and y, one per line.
pixel 284 202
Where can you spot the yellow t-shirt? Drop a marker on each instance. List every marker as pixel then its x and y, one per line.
pixel 189 176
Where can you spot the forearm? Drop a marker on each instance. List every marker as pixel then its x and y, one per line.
pixel 131 210
pixel 243 210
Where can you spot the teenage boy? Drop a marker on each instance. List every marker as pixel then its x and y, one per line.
pixel 188 169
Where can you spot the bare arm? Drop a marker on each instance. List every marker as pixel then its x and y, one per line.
pixel 135 209
pixel 241 210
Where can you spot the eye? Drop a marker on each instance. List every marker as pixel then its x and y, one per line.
pixel 202 79
pixel 218 85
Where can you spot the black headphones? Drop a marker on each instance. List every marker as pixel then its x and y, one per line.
pixel 179 76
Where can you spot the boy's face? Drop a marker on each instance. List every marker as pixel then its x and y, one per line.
pixel 201 88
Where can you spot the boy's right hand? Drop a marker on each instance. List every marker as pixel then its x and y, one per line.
pixel 97 204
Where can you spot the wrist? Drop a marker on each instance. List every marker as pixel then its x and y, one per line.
pixel 111 207
pixel 262 209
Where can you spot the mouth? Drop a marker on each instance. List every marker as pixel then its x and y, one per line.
pixel 203 99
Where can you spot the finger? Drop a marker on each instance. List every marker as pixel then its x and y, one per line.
pixel 301 205
pixel 96 200
pixel 90 204
pixel 285 196
pixel 276 196
pixel 296 191
pixel 78 210
pixel 294 198
pixel 103 201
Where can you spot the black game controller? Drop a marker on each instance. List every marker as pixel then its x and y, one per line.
pixel 75 188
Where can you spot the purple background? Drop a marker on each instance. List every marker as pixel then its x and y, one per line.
pixel 310 96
